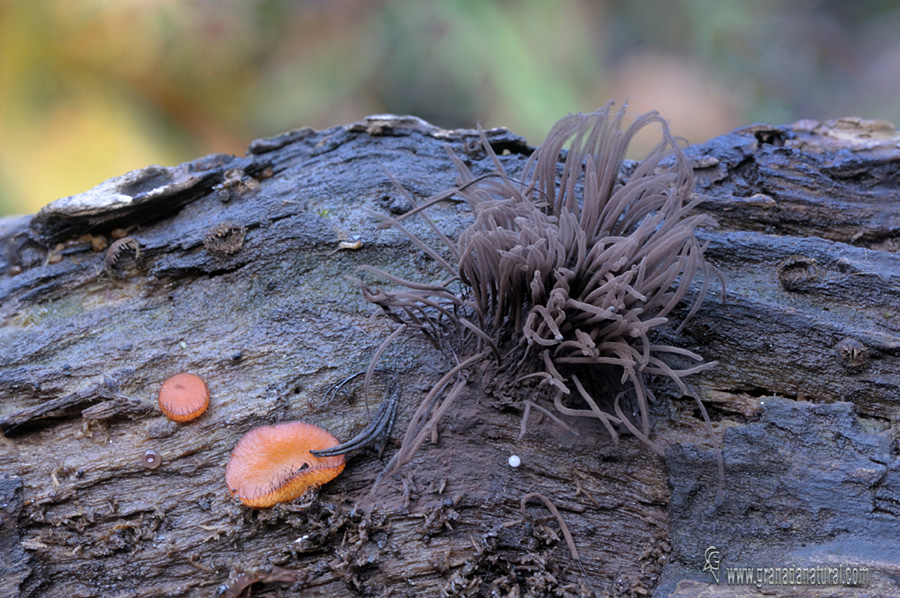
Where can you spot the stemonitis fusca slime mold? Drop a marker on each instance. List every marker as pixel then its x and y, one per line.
pixel 562 277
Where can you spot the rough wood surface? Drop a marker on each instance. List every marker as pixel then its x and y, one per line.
pixel 232 268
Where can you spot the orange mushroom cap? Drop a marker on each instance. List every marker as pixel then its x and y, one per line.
pixel 272 464
pixel 183 397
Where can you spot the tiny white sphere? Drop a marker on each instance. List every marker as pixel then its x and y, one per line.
pixel 514 461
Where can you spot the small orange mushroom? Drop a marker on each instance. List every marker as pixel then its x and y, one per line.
pixel 272 464
pixel 183 397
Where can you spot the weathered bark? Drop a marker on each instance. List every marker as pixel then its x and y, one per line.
pixel 803 399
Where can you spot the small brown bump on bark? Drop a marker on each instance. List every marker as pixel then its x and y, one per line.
pixel 797 273
pixel 852 354
pixel 225 238
pixel 123 256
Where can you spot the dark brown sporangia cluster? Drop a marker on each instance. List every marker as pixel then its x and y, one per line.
pixel 563 275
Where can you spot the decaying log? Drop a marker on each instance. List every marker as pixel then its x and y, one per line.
pixel 235 268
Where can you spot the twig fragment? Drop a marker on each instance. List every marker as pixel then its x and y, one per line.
pixel 553 510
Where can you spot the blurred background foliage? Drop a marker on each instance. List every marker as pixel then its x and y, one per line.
pixel 90 89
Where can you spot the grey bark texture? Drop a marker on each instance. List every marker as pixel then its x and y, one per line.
pixel 236 268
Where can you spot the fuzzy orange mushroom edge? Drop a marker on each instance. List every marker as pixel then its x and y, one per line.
pixel 273 464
